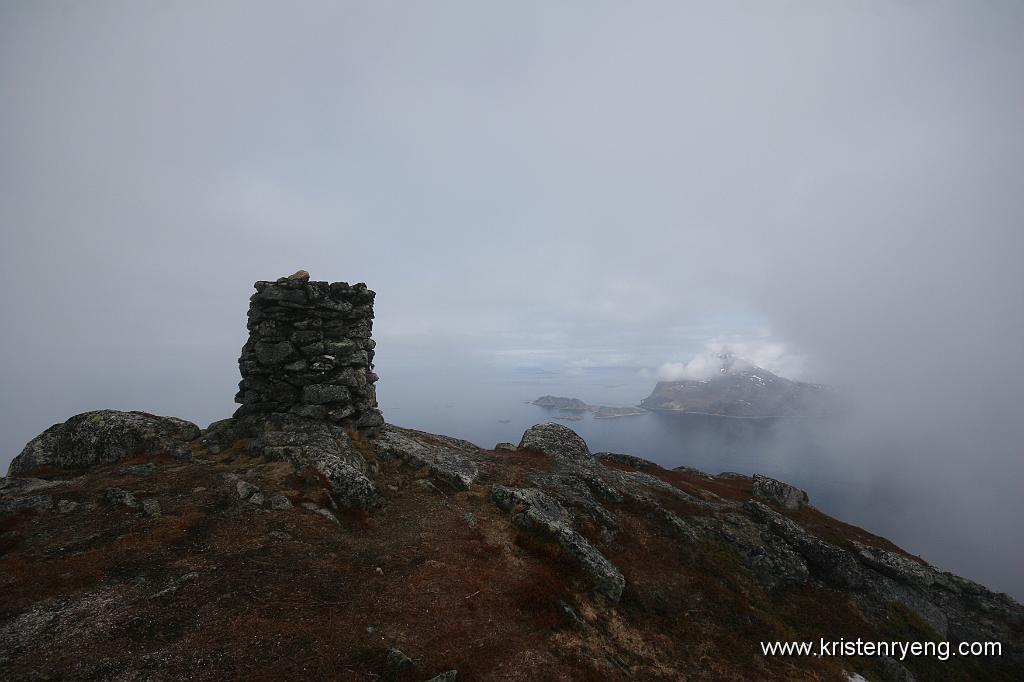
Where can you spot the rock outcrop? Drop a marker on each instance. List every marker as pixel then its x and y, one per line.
pixel 448 459
pixel 556 440
pixel 305 443
pixel 606 551
pixel 779 493
pixel 104 436
pixel 310 352
pixel 535 510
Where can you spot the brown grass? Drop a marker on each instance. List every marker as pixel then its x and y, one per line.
pixel 483 599
pixel 450 596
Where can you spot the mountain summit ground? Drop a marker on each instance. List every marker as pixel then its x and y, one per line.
pixel 272 549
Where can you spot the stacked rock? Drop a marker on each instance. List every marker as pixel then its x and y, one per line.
pixel 310 353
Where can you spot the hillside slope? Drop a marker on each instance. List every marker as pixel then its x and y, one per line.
pixel 286 548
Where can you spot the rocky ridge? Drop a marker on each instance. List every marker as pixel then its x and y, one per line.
pixel 640 555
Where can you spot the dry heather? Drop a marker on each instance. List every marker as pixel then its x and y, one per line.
pixel 217 587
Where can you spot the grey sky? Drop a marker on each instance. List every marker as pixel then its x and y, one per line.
pixel 559 185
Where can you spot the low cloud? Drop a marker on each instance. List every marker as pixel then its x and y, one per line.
pixel 772 356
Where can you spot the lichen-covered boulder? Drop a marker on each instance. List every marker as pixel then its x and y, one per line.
pixel 448 459
pixel 556 440
pixel 777 492
pixel 102 437
pixel 534 509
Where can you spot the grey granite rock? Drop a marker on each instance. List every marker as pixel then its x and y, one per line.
pixel 101 437
pixel 535 510
pixel 769 557
pixel 306 443
pixel 556 440
pixel 66 506
pixel 836 566
pixel 572 616
pixel 625 460
pixel 448 459
pixel 396 662
pixel 275 353
pixel 139 469
pixel 245 489
pixel 318 394
pixel 326 513
pixel 34 502
pixel 777 492
pixel 151 507
pixel 119 496
pixel 280 502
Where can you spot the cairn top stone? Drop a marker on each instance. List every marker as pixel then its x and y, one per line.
pixel 299 276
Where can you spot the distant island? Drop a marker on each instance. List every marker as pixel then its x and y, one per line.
pixel 741 389
pixel 736 388
pixel 577 405
pixel 560 403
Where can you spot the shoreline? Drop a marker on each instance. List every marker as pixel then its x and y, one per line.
pixel 732 416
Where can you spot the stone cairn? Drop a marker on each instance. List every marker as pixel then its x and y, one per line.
pixel 310 353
